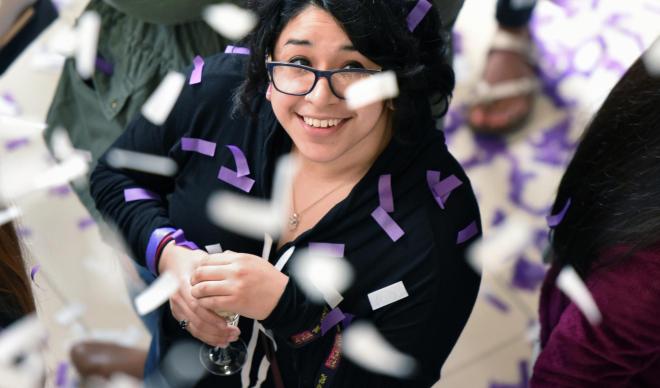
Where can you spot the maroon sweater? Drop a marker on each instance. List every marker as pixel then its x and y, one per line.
pixel 624 350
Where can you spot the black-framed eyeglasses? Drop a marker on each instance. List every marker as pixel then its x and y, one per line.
pixel 299 80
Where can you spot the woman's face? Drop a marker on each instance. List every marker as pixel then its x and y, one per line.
pixel 313 38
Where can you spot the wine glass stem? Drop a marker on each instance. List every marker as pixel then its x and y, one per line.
pixel 220 355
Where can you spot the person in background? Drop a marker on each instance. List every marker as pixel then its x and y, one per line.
pixel 504 96
pixel 610 234
pixel 288 103
pixel 139 43
pixel 16 299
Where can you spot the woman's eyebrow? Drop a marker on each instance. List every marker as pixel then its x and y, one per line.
pixel 305 42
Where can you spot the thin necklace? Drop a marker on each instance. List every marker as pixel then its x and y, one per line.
pixel 294 218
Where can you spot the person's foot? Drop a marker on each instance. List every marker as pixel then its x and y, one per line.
pixel 501 111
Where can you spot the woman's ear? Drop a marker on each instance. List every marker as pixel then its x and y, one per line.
pixel 269 91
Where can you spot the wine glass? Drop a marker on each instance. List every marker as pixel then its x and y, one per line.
pixel 224 361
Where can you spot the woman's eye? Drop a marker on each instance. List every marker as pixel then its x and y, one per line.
pixel 299 61
pixel 354 65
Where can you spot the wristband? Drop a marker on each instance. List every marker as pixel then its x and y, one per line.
pixel 152 247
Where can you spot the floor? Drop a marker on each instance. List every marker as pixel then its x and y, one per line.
pixel 584 47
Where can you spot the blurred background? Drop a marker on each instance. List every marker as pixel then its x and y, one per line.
pixel 584 46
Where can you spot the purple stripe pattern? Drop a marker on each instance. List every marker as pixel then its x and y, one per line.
pixel 180 240
pixel 467 233
pixel 201 146
pixel 229 176
pixel 237 50
pixel 154 240
pixel 196 75
pixel 138 194
pixel 386 222
pixel 385 193
pixel 328 248
pixel 555 219
pixel 331 320
pixel 34 270
pixel 242 168
pixel 417 14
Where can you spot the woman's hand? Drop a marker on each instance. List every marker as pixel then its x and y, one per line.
pixel 203 323
pixel 238 282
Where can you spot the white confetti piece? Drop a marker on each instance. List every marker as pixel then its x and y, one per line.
pixel 322 277
pixel 11 127
pixel 387 295
pixel 499 246
pixel 651 58
pixel 162 100
pixel 24 335
pixel 268 245
pixel 157 293
pixel 230 20
pixel 9 214
pixel 365 346
pixel 89 25
pixel 255 217
pixel 213 249
pixel 152 164
pixel 378 87
pixel 28 373
pixel 60 143
pixel 570 283
pixel 69 314
pixel 281 262
pixel 70 169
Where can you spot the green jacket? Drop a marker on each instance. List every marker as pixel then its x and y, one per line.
pixel 142 40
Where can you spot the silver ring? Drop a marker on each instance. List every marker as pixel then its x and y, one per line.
pixel 183 324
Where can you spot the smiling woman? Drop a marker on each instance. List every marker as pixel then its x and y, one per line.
pixel 371 182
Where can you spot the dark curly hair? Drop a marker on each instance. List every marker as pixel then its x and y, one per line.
pixel 378 29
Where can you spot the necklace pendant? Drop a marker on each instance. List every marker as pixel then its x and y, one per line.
pixel 294 220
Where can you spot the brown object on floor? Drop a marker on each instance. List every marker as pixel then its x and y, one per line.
pixel 94 358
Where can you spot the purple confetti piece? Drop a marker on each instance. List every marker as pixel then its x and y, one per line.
pixel 496 302
pixel 62 374
pixel 201 146
pixel 104 66
pixel 385 193
pixel 180 240
pixel 229 176
pixel 498 218
pixel 348 320
pixel 24 232
pixel 446 186
pixel 328 248
pixel 242 168
pixel 237 50
pixel 331 320
pixel 196 76
pixel 60 191
pixel 34 270
pixel 555 219
pixel 467 233
pixel 432 177
pixel 387 223
pixel 138 194
pixel 524 378
pixel 14 144
pixel 527 275
pixel 85 223
pixel 417 14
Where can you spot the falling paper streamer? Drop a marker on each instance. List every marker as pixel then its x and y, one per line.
pixel 378 87
pixel 61 376
pixel 242 168
pixel 502 244
pixel 328 249
pixel 237 50
pixel 387 295
pixel 213 249
pixel 89 26
pixel 232 177
pixel 12 127
pixel 268 245
pixel 9 214
pixel 388 224
pixel 467 233
pixel 152 164
pixel 157 293
pixel 139 194
pixel 162 100
pixel 24 335
pixel 201 146
pixel 651 58
pixel 364 345
pixel 570 283
pixel 33 271
pixel 60 143
pixel 69 314
pixel 196 76
pixel 385 193
pixel 69 170
pixel 229 20
pixel 323 278
pixel 418 13
pixel 332 319
pixel 555 219
pixel 14 144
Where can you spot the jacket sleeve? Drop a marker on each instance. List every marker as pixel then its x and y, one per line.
pixel 168 12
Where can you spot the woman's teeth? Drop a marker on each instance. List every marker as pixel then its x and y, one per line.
pixel 321 123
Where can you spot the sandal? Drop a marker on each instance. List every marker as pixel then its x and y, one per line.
pixel 492 99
